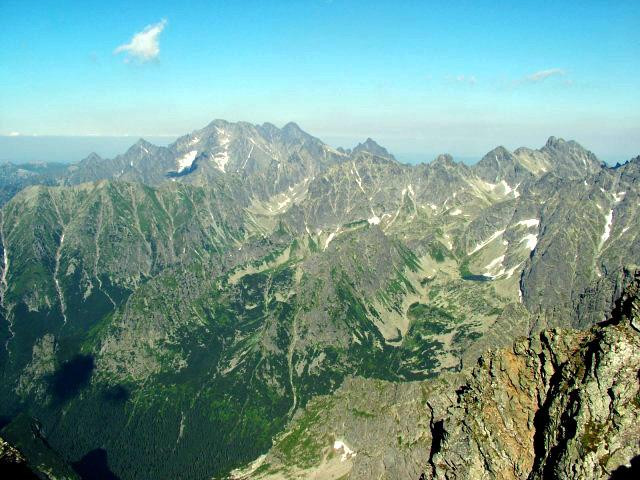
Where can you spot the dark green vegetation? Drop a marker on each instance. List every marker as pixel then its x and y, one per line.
pixel 71 377
pixel 165 324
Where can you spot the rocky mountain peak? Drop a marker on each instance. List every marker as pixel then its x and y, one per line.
pixel 93 157
pixel 632 165
pixel 371 146
pixel 499 154
pixel 141 145
pixel 218 122
pixel 444 159
pixel 292 127
pixel 268 129
pixel 569 158
pixel 292 132
pixel 554 142
pixel 499 164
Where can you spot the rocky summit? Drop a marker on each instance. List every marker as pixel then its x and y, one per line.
pixel 250 302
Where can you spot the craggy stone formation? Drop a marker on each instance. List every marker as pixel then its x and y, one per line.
pixel 13 464
pixel 564 404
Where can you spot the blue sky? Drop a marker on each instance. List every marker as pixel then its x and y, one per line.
pixel 420 77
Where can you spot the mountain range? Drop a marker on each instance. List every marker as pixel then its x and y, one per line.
pixel 177 312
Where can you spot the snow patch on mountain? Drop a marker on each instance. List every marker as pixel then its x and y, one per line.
pixel 328 240
pixel 506 187
pixel 516 193
pixel 287 200
pixel 358 179
pixel 607 228
pixel 492 265
pixel 487 241
pixel 186 160
pixel 531 240
pixel 222 158
pixel 531 222
pixel 509 273
pixel 618 197
pixel 495 262
pixel 346 451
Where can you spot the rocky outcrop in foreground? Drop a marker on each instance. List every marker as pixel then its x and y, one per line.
pixel 32 457
pixel 562 404
pixel 13 463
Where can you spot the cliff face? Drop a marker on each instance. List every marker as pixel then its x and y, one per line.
pixel 562 404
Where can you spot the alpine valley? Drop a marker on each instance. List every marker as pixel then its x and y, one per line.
pixel 250 302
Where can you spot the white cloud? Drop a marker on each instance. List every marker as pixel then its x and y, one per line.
pixel 542 75
pixel 14 134
pixel 144 45
pixel 469 79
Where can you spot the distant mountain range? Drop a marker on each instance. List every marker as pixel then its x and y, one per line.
pixel 171 311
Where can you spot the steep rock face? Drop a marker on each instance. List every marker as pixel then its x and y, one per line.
pixel 569 158
pixel 585 239
pixel 500 164
pixel 561 405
